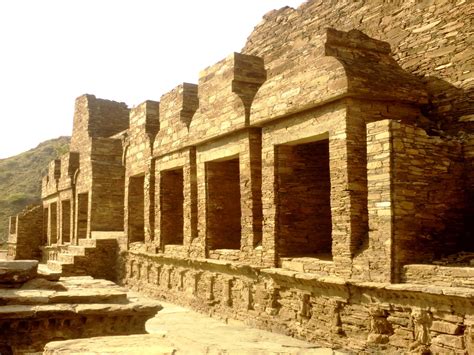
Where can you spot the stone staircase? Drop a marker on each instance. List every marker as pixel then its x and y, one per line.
pixel 94 257
pixel 36 310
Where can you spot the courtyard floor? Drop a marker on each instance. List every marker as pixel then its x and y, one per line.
pixel 190 332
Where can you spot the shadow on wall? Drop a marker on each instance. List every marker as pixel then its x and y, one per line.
pixel 452 111
pixel 449 112
pixel 451 108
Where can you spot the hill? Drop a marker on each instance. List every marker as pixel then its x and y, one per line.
pixel 20 178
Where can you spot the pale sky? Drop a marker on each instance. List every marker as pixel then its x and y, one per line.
pixel 52 51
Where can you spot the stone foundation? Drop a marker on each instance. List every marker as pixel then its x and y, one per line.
pixel 329 311
pixel 36 308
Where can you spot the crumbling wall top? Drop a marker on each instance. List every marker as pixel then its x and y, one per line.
pixel 177 109
pixel 97 118
pixel 339 64
pixel 226 90
pixel 429 39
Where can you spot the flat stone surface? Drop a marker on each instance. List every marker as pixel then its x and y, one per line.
pixel 177 330
pixel 48 274
pixel 77 307
pixel 128 344
pixel 191 332
pixel 17 271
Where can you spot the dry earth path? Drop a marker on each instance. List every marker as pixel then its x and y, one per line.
pixel 177 330
pixel 190 332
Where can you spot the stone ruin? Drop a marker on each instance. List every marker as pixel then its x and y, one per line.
pixel 319 183
pixel 38 307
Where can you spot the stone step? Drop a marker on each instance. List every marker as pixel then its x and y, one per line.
pixel 66 258
pixel 55 266
pixel 57 295
pixel 76 250
pixel 79 260
pixel 87 242
pixel 106 235
pixel 17 271
pixel 46 273
pixel 66 269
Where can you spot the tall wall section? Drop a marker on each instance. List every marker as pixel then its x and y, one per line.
pixel 317 93
pixel 431 39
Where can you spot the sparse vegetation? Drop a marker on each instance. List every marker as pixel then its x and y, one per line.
pixel 20 178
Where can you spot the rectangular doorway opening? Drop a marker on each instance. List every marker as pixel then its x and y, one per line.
pixel 171 200
pixel 303 191
pixel 136 209
pixel 66 221
pixel 53 223
pixel 13 224
pixel 45 225
pixel 223 204
pixel 82 215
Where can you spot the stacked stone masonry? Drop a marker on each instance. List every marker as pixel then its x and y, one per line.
pixel 323 176
pixel 37 308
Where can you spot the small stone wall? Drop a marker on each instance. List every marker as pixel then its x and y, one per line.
pixel 26 231
pixel 451 276
pixel 357 316
pixel 35 310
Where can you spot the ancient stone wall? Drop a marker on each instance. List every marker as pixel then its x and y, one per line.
pixel 107 193
pixel 356 316
pixel 318 184
pixel 429 196
pixel 83 191
pixel 417 194
pixel 138 147
pixel 335 129
pixel 226 90
pixel 97 118
pixel 25 237
pixel 431 39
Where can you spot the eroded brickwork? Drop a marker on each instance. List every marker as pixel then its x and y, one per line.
pixel 25 234
pixel 36 308
pixel 318 184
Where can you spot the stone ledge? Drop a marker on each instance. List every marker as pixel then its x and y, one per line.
pixel 129 344
pixel 306 277
pixel 439 275
pixel 232 266
pixel 16 272
pixel 73 307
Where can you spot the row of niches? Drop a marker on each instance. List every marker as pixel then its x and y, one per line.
pixel 303 195
pixel 301 198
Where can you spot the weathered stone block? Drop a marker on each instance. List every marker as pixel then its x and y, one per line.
pixel 446 327
pixel 16 272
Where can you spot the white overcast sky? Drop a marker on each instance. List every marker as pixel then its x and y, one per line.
pixel 52 51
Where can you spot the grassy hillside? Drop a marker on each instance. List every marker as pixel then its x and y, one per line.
pixel 20 178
